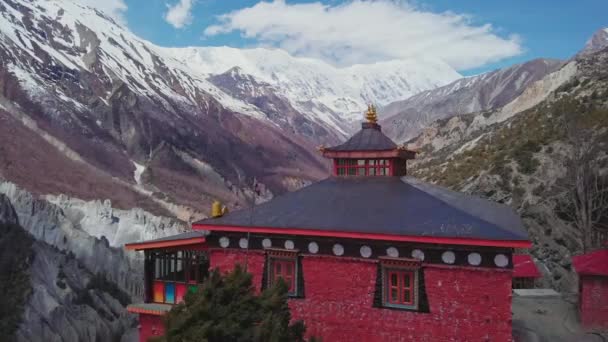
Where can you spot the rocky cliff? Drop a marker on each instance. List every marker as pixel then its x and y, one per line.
pixel 522 154
pixel 80 276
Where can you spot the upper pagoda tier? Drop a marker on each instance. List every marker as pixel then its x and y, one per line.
pixel 369 152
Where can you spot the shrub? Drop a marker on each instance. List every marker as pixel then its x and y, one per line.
pixel 226 308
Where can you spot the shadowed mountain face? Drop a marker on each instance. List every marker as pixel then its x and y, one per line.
pixel 94 112
pixel 403 120
pixel 105 114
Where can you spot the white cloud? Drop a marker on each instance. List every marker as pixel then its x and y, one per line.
pixel 114 8
pixel 179 15
pixel 364 31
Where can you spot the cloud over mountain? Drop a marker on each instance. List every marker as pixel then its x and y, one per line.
pixel 179 15
pixel 364 31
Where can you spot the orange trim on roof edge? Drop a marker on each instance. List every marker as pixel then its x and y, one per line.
pixel 137 246
pixel 145 311
pixel 368 236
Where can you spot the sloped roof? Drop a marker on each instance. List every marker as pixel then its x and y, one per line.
pixel 524 267
pixel 382 205
pixel 593 263
pixel 369 138
pixel 187 238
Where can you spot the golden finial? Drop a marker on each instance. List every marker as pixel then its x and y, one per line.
pixel 371 115
pixel 217 209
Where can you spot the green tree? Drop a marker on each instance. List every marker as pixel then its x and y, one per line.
pixel 226 308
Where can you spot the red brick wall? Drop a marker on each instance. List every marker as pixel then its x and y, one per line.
pixel 594 301
pixel 465 304
pixel 150 326
pixel 225 259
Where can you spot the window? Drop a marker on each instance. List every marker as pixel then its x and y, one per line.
pixel 400 287
pixel 182 266
pixel 171 274
pixel 285 268
pixel 363 167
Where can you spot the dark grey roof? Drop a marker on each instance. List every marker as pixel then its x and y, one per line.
pixel 384 205
pixel 369 138
pixel 182 236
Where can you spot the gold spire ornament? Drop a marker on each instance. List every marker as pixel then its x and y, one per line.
pixel 371 115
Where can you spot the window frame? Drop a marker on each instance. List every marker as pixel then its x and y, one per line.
pixel 376 167
pixel 181 266
pixel 273 261
pixel 412 289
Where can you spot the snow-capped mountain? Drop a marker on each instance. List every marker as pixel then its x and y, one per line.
pixel 321 92
pixel 161 127
pixel 318 90
pixel 404 119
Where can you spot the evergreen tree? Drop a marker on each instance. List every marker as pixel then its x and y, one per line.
pixel 226 308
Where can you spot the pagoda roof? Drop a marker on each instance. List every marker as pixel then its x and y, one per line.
pixel 593 263
pixel 369 138
pixel 386 207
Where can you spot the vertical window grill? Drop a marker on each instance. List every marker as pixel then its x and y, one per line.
pixel 363 167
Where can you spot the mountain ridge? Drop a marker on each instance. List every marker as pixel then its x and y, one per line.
pixel 404 119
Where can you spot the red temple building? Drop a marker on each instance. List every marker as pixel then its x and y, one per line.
pixel 525 272
pixel 369 254
pixel 592 269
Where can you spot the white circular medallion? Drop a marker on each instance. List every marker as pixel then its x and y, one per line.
pixel 501 260
pixel 392 252
pixel 474 259
pixel 224 242
pixel 418 254
pixel 365 251
pixel 289 244
pixel 243 243
pixel 448 257
pixel 313 247
pixel 338 249
pixel 266 243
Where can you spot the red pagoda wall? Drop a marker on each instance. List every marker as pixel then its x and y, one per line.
pixel 466 304
pixel 150 326
pixel 225 259
pixel 594 301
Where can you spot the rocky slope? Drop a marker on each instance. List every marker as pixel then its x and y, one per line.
pixel 518 154
pixel 597 42
pixel 405 119
pixel 80 277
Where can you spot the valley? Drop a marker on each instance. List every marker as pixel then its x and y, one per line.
pixel 106 138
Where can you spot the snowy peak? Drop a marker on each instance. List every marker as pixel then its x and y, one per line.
pixel 597 42
pixel 315 87
pixel 78 38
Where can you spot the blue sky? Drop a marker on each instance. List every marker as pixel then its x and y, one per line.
pixel 520 30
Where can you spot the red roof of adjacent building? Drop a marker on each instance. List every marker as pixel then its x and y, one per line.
pixel 593 263
pixel 524 267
